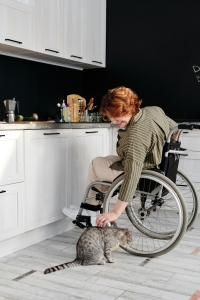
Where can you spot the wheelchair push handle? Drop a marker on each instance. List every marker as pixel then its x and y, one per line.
pixel 196 126
pixel 186 126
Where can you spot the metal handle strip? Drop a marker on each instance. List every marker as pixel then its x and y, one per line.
pixel 52 50
pixel 98 62
pixel 2 135
pixel 18 42
pixel 91 132
pixel 2 192
pixel 51 133
pixel 76 56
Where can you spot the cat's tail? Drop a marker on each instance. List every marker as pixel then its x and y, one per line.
pixel 74 263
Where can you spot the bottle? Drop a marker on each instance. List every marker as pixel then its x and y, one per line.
pixel 59 112
pixel 64 111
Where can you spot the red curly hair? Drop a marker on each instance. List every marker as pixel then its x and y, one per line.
pixel 119 102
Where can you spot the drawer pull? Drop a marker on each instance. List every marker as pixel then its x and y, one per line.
pixel 98 62
pixel 52 133
pixel 91 132
pixel 52 50
pixel 2 192
pixel 13 41
pixel 2 135
pixel 76 56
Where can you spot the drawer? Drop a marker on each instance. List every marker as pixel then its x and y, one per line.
pixel 11 157
pixel 12 220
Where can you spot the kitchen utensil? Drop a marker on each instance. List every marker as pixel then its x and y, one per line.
pixel 10 106
pixel 77 103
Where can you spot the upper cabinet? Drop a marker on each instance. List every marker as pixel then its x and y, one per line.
pixel 85 31
pixel 50 27
pixel 17 23
pixel 74 33
pixel 95 28
pixel 69 33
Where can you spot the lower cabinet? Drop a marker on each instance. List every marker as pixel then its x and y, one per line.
pixel 190 164
pixel 47 175
pixel 12 213
pixel 87 144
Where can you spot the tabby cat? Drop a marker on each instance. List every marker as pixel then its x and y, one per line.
pixel 94 245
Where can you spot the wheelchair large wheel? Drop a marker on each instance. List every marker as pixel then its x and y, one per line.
pixel 157 215
pixel 190 196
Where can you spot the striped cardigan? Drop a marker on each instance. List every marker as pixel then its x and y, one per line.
pixel 140 146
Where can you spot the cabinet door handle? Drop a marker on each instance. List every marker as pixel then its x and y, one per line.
pixel 2 192
pixel 2 135
pixel 13 41
pixel 98 62
pixel 91 132
pixel 76 56
pixel 52 50
pixel 51 133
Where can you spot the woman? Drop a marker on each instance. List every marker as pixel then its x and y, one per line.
pixel 140 144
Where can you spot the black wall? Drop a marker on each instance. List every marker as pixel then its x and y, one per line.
pixel 151 48
pixel 38 87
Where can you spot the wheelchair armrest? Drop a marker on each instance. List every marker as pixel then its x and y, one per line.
pixel 179 152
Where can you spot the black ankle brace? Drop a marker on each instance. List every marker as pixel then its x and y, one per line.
pixel 90 206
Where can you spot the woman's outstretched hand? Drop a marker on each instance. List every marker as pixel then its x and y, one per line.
pixel 104 218
pixel 113 215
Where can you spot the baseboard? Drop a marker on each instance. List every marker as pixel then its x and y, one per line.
pixel 35 236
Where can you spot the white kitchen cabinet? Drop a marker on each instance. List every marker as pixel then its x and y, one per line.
pixel 85 31
pixel 190 164
pixel 50 27
pixel 114 139
pixel 69 33
pixel 17 23
pixel 95 32
pixel 87 144
pixel 11 157
pixel 11 184
pixel 12 216
pixel 74 30
pixel 48 175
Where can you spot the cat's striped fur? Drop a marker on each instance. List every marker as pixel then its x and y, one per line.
pixel 94 245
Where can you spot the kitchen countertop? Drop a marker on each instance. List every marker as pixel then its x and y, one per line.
pixel 48 125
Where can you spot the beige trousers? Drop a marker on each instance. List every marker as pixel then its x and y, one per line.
pixel 99 171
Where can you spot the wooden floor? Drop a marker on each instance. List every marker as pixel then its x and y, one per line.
pixel 175 275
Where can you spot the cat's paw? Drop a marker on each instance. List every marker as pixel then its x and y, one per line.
pixel 102 262
pixel 112 260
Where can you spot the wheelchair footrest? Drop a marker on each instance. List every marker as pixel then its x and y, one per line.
pixel 78 224
pixel 84 219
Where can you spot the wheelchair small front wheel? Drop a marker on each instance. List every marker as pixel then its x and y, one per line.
pixel 157 215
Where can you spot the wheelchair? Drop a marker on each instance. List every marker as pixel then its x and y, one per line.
pixel 163 208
